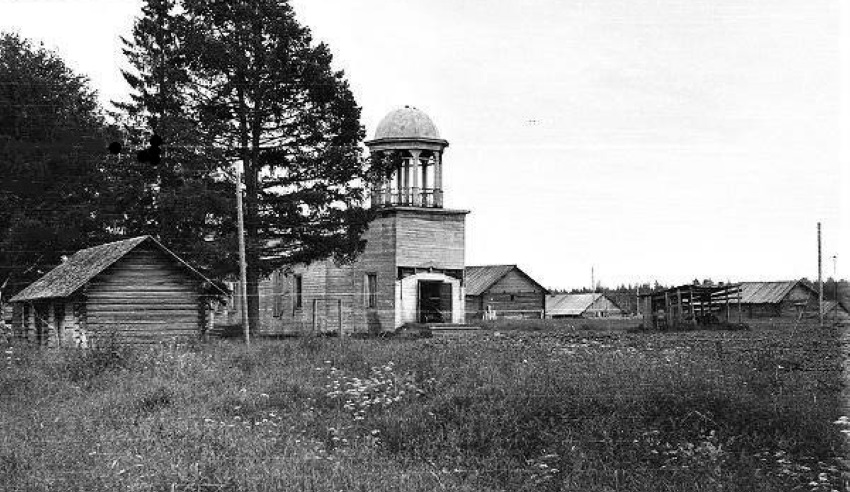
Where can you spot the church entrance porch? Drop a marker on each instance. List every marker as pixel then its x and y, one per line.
pixel 435 302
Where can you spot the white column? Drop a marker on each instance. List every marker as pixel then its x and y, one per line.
pixel 438 178
pixel 415 171
pixel 405 195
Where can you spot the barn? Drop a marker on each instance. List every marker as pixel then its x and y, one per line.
pixel 135 289
pixel 789 298
pixel 592 305
pixel 502 291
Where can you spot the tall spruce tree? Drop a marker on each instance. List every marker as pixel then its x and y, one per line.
pixel 52 154
pixel 184 199
pixel 265 95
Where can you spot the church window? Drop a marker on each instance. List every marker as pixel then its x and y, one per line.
pixel 299 297
pixel 371 290
pixel 277 294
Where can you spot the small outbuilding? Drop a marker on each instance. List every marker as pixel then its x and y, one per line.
pixel 502 291
pixel 136 290
pixel 835 311
pixel 783 299
pixel 591 305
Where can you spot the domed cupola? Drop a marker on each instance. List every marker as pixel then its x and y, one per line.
pixel 418 180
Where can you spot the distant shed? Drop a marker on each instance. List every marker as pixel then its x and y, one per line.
pixel 591 305
pixel 135 289
pixel 789 298
pixel 502 291
pixel 834 311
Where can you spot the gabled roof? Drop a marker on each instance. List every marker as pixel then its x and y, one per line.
pixel 570 304
pixel 85 264
pixel 480 278
pixel 767 292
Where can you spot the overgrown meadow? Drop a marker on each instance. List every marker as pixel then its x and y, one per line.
pixel 568 409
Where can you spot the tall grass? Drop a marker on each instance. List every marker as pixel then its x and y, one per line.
pixel 576 411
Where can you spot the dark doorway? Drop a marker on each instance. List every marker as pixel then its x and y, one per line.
pixel 435 302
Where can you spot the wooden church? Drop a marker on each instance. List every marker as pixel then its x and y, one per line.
pixel 412 267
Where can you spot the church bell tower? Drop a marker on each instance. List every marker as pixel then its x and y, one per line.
pixel 425 241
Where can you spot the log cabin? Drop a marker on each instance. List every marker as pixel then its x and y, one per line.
pixel 136 290
pixel 502 291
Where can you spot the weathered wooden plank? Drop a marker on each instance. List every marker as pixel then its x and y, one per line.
pixel 109 321
pixel 136 319
pixel 143 331
pixel 140 295
pixel 134 307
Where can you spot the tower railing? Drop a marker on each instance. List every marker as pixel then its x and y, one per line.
pixel 413 197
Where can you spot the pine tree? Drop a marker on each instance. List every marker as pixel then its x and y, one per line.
pixel 184 198
pixel 266 97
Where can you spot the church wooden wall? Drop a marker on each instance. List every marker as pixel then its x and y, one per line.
pixel 426 237
pixel 397 238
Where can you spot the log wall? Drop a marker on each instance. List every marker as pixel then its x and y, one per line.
pixel 144 297
pixel 514 295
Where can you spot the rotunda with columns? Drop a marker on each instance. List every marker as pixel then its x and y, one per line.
pixel 417 181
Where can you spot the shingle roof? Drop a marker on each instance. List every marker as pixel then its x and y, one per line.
pixel 84 265
pixel 480 278
pixel 766 292
pixel 570 304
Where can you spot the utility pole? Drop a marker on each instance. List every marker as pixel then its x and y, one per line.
pixel 637 296
pixel 820 281
pixel 243 267
pixel 592 280
pixel 835 290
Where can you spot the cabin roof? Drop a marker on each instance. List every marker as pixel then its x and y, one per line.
pixel 480 278
pixel 571 304
pixel 767 292
pixel 85 264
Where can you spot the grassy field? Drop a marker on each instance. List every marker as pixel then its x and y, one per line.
pixel 569 408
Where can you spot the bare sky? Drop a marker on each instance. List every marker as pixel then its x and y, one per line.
pixel 652 139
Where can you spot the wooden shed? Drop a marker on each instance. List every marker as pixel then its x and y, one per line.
pixel 833 312
pixel 502 291
pixel 590 305
pixel 782 299
pixel 136 290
